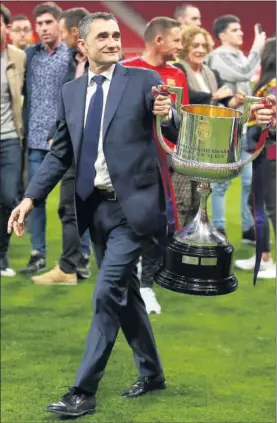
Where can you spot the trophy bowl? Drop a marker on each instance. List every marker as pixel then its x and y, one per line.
pixel 198 259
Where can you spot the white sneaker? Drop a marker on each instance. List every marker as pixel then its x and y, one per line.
pixel 139 269
pixel 269 273
pixel 5 268
pixel 8 272
pixel 150 301
pixel 249 264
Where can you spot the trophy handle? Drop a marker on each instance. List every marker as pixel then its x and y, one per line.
pixel 249 100
pixel 164 89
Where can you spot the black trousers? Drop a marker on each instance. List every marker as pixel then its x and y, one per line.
pixel 10 166
pixel 269 186
pixel 151 258
pixel 72 251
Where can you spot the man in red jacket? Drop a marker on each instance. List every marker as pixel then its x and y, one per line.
pixel 162 37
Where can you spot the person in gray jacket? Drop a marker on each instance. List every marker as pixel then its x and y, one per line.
pixel 236 71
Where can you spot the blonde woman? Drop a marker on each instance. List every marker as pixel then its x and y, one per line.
pixel 197 43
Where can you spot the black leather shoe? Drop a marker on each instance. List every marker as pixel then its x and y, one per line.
pixel 144 385
pixel 73 404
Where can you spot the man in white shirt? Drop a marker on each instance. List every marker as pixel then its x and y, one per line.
pixel 106 123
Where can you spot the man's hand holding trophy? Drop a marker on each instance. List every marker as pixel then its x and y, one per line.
pixel 199 259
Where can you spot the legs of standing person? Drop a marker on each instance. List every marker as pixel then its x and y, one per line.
pixel 37 221
pixel 10 154
pixel 270 204
pixel 270 192
pixel 83 268
pixel 76 251
pixel 23 171
pixel 267 266
pixel 218 205
pixel 71 259
pixel 248 232
pixel 117 303
pixel 185 198
pixel 150 261
pixel 71 252
pixel 266 236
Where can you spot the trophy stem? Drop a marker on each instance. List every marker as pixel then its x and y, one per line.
pixel 204 189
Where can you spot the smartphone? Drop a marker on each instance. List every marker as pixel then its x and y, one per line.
pixel 259 28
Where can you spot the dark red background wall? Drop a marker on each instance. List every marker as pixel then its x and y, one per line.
pixel 250 12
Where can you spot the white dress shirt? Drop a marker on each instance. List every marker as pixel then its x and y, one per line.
pixel 102 178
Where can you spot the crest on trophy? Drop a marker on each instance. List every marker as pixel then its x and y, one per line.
pixel 203 130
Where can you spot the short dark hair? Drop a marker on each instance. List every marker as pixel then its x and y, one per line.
pixel 159 25
pixel 72 17
pixel 84 24
pixel 6 14
pixel 20 18
pixel 181 10
pixel 48 7
pixel 220 24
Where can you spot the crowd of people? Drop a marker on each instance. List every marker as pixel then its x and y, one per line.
pixel 183 54
pixel 72 108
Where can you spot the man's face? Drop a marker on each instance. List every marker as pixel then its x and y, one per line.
pixel 170 44
pixel 21 33
pixel 192 17
pixel 232 35
pixel 67 35
pixel 103 43
pixel 47 28
pixel 3 32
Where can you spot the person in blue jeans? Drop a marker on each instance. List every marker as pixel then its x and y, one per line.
pixel 235 70
pixel 50 65
pixel 218 199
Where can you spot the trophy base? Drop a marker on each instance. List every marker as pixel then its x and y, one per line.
pixel 199 259
pixel 205 271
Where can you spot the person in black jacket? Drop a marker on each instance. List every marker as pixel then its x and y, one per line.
pixel 74 261
pixel 264 166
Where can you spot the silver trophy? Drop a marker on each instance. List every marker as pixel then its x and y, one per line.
pixel 199 259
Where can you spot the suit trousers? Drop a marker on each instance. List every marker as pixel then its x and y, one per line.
pixel 116 302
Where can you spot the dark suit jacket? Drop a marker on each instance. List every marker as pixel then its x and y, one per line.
pixel 128 145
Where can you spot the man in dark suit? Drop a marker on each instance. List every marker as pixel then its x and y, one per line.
pixel 106 124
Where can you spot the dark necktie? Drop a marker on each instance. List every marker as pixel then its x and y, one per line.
pixel 89 149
